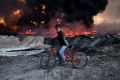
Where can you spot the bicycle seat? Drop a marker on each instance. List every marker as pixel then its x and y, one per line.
pixel 69 46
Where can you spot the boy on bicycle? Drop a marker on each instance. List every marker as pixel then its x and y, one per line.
pixel 63 44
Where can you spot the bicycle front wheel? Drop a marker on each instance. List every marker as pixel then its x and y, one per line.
pixel 79 60
pixel 47 61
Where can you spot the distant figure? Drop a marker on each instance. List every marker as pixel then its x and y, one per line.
pixel 63 44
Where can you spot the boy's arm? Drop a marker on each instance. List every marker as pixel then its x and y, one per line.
pixel 64 38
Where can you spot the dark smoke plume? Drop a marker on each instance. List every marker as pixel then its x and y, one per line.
pixel 74 10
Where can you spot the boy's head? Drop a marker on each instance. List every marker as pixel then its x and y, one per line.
pixel 58 27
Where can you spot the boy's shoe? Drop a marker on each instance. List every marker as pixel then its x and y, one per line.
pixel 63 63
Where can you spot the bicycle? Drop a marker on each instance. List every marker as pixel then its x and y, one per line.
pixel 77 58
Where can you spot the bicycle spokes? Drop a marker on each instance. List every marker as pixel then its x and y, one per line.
pixel 79 60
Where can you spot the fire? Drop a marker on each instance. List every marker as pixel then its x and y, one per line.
pixel 28 32
pixel 71 33
pixel 51 33
pixel 34 23
pixel 22 1
pixel 77 31
pixel 43 8
pixel 42 22
pixel 70 29
pixel 59 21
pixel 14 27
pixel 68 32
pixel 86 33
pixel 17 12
pixel 2 21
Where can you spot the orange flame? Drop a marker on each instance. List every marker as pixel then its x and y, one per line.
pixel 14 27
pixel 2 21
pixel 28 32
pixel 43 8
pixel 17 12
pixel 59 21
pixel 22 1
pixel 42 22
pixel 71 33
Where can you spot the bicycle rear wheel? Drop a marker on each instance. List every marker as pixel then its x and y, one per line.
pixel 79 60
pixel 47 61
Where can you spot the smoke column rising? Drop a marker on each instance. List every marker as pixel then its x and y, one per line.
pixel 74 10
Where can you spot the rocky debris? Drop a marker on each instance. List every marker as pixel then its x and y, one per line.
pixel 83 41
pixel 105 40
pixel 103 65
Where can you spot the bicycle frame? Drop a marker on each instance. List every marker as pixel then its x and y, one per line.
pixel 68 55
pixel 77 58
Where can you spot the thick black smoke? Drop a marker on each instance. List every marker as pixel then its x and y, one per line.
pixel 8 6
pixel 74 10
pixel 83 10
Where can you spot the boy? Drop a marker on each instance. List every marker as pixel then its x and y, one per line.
pixel 63 44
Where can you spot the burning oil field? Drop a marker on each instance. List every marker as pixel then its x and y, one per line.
pixel 42 15
pixel 27 30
